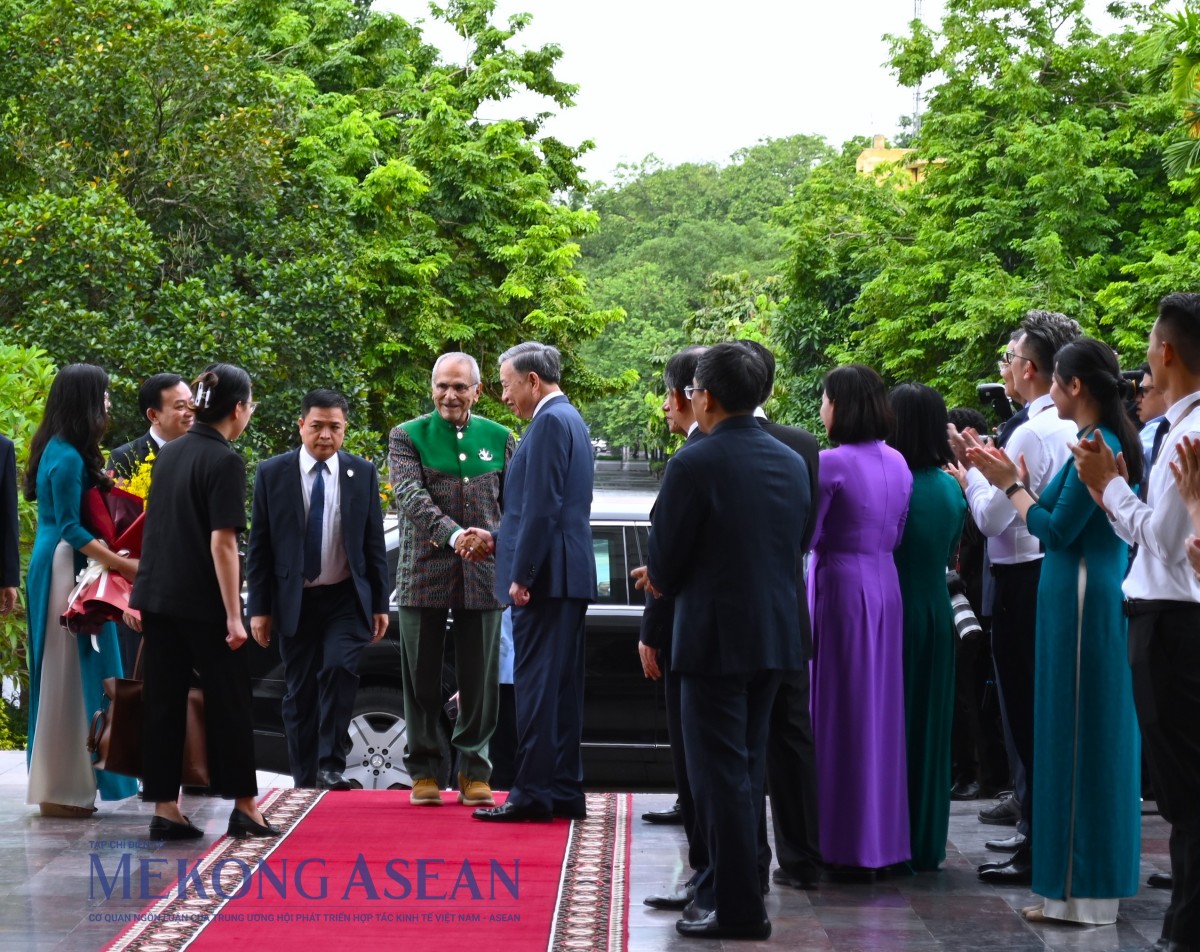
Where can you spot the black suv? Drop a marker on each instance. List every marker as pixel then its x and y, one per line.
pixel 624 721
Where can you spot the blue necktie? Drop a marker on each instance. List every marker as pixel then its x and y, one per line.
pixel 316 516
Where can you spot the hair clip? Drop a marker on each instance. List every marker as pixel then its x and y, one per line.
pixel 203 394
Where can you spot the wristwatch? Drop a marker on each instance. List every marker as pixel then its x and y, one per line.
pixel 1014 489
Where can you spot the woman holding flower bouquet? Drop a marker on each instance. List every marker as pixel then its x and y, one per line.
pixel 189 594
pixel 65 671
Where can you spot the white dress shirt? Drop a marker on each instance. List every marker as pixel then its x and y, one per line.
pixel 546 399
pixel 1044 440
pixel 334 565
pixel 1160 526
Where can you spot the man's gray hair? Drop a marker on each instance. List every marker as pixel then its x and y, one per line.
pixel 531 357
pixel 456 355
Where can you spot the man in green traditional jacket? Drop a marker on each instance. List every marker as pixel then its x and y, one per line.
pixel 447 471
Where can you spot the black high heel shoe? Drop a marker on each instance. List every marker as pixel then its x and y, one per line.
pixel 162 828
pixel 241 825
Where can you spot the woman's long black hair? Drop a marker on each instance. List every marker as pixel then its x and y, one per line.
pixel 1093 364
pixel 75 411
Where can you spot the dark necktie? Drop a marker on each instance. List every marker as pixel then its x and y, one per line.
pixel 1160 433
pixel 316 517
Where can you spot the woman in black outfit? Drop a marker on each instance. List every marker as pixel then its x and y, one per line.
pixel 188 591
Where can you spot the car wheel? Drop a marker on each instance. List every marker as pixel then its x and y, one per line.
pixel 378 734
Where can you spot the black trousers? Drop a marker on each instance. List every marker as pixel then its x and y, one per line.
pixel 173 647
pixel 1164 656
pixel 697 848
pixel 320 666
pixel 725 724
pixel 1014 647
pixel 792 777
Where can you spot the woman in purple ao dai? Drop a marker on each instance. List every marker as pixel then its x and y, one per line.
pixel 858 638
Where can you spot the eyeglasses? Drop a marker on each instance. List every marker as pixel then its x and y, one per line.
pixel 1009 356
pixel 251 405
pixel 1143 391
pixel 690 392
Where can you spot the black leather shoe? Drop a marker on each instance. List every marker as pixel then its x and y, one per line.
pixel 965 790
pixel 241 826
pixel 332 780
pixel 672 900
pixel 1160 881
pixel 569 809
pixel 709 928
pixel 163 829
pixel 509 812
pixel 797 878
pixel 1009 845
pixel 671 817
pixel 1016 872
pixel 1005 813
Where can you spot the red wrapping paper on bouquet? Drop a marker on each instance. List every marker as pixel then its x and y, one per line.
pixel 100 595
pixel 116 517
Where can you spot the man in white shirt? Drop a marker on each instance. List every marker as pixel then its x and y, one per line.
pixel 1016 556
pixel 1163 604
pixel 166 401
pixel 316 577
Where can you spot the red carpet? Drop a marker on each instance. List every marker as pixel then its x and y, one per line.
pixel 368 867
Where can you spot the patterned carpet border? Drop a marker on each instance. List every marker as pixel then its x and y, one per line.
pixel 590 914
pixel 593 898
pixel 173 922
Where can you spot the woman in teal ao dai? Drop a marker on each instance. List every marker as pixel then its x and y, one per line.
pixel 1086 747
pixel 65 670
pixel 931 535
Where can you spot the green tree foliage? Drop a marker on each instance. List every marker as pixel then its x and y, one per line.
pixel 25 376
pixel 688 252
pixel 304 188
pixel 1043 188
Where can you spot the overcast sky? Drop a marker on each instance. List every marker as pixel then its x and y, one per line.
pixel 694 81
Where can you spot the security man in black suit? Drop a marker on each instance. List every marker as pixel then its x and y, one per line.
pixel 791 759
pixel 316 573
pixel 728 544
pixel 10 532
pixel 654 647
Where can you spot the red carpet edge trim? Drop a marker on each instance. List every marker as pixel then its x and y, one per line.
pixel 287 806
pixel 593 893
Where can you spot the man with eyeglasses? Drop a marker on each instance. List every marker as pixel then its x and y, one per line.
pixel 728 544
pixel 1016 558
pixel 1151 410
pixel 447 470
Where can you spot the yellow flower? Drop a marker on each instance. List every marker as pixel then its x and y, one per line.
pixel 139 483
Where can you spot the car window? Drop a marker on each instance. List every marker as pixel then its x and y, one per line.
pixel 608 545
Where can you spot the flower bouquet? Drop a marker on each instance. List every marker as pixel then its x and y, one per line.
pixel 116 517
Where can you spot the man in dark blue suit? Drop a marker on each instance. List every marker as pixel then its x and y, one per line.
pixel 10 533
pixel 728 544
pixel 546 568
pixel 654 644
pixel 316 573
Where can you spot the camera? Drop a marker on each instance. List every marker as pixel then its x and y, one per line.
pixel 994 395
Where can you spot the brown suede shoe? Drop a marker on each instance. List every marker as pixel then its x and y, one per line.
pixel 474 793
pixel 425 793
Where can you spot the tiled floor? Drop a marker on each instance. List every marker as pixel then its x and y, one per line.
pixel 49 898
